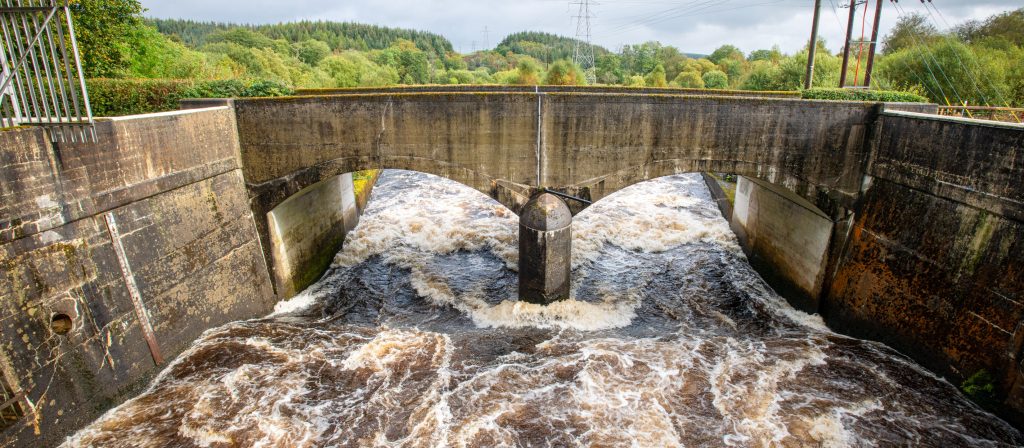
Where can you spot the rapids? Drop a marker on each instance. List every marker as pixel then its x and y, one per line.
pixel 414 339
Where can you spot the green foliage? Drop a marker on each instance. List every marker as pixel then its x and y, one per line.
pixel 836 94
pixel 640 59
pixel 1008 26
pixel 910 31
pixel 528 71
pixel 609 69
pixel 542 46
pixel 409 61
pixel 227 88
pixel 691 80
pixel 339 36
pixel 980 388
pixel 154 56
pixel 764 75
pixel 726 52
pixel 774 55
pixel 311 51
pixel 353 69
pixel 656 78
pixel 982 66
pixel 105 30
pixel 948 71
pixel 265 88
pixel 565 73
pixel 118 97
pixel 716 79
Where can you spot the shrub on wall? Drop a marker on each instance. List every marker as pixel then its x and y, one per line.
pixel 118 97
pixel 862 95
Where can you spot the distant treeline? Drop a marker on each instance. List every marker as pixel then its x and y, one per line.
pixel 977 63
pixel 337 35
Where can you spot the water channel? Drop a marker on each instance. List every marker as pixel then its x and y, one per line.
pixel 414 339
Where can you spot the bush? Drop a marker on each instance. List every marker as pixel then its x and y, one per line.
pixel 228 88
pixel 119 97
pixel 267 88
pixel 980 388
pixel 716 79
pixel 862 95
pixel 115 97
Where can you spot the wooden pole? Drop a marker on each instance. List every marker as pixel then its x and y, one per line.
pixel 813 48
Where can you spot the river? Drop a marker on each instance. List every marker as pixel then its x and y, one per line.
pixel 414 339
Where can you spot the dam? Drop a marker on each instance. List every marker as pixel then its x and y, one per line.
pixel 887 222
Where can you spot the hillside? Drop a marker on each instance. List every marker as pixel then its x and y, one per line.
pixel 338 35
pixel 544 47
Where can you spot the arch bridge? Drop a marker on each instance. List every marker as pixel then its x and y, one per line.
pixel 920 216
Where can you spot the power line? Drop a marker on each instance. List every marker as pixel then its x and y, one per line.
pixel 928 52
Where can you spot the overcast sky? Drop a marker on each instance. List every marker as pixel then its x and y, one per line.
pixel 695 26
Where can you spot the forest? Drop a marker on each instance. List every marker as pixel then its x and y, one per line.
pixel 975 63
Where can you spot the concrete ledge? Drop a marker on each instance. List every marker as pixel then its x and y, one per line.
pixel 548 89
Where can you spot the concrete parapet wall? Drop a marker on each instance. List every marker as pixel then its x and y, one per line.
pixel 598 144
pixel 548 89
pixel 153 219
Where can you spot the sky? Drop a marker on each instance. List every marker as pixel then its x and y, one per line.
pixel 693 26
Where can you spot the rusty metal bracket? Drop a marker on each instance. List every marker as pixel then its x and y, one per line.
pixel 133 290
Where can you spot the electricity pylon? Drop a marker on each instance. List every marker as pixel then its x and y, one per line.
pixel 583 54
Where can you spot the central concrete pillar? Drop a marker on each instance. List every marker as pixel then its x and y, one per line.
pixel 545 247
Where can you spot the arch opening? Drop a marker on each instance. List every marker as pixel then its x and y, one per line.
pixel 789 241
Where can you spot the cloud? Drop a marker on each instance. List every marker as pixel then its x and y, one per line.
pixel 691 25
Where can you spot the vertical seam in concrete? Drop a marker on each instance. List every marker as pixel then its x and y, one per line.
pixel 540 133
pixel 133 289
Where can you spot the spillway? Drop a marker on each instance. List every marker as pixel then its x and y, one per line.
pixel 414 338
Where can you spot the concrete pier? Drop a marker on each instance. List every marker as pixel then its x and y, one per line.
pixel 545 248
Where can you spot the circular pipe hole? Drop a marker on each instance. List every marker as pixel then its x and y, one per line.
pixel 61 324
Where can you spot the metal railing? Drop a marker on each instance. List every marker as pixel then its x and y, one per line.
pixel 41 80
pixel 1007 114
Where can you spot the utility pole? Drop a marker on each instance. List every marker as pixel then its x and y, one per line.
pixel 487 38
pixel 813 48
pixel 846 46
pixel 874 44
pixel 583 55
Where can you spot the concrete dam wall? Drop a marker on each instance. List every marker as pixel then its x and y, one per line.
pixel 131 248
pixel 190 220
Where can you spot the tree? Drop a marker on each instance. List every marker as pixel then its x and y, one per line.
pixel 609 69
pixel 774 55
pixel 764 75
pixel 911 30
pixel 565 73
pixel 948 71
pixel 312 51
pixel 726 52
pixel 656 78
pixel 1008 26
pixel 716 79
pixel 103 29
pixel 408 60
pixel 527 71
pixel 690 80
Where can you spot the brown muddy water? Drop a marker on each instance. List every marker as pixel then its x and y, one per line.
pixel 414 339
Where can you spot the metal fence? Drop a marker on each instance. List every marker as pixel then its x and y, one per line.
pixel 41 81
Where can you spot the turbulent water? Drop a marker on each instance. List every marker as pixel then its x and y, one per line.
pixel 414 339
